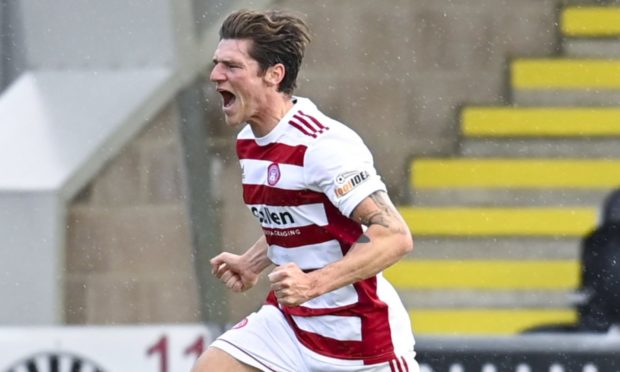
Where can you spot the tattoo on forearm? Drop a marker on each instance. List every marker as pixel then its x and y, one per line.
pixel 375 218
pixel 363 239
pixel 385 216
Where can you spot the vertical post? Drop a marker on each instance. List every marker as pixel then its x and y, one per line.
pixel 11 43
pixel 202 204
pixel 4 43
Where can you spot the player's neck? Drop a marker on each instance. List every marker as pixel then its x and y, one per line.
pixel 272 111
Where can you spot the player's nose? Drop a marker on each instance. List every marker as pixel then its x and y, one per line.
pixel 217 74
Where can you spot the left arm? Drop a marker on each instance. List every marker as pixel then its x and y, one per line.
pixel 385 242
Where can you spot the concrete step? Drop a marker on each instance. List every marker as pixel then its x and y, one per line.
pixel 496 248
pixel 590 21
pixel 590 48
pixel 496 222
pixel 488 299
pixel 494 197
pixel 544 147
pixel 591 31
pixel 512 294
pixel 481 321
pixel 565 97
pixel 540 132
pixel 485 296
pixel 543 173
pixel 485 274
pixel 565 73
pixel 565 82
pixel 548 122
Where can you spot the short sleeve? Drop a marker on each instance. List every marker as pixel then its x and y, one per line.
pixel 341 166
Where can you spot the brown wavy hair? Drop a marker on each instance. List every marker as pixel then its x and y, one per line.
pixel 277 37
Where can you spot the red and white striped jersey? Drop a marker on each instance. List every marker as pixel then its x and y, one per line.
pixel 302 181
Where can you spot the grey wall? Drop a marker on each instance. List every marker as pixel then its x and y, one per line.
pixel 399 71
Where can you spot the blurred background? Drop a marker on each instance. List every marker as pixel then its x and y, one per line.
pixel 494 123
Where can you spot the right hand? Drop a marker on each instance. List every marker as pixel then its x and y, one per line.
pixel 233 272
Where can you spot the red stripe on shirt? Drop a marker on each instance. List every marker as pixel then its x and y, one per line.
pixel 338 348
pixel 306 124
pixel 301 129
pixel 392 368
pixel 375 325
pixel 376 346
pixel 405 363
pixel 347 310
pixel 326 346
pixel 297 236
pixel 267 195
pixel 315 121
pixel 397 362
pixel 342 228
pixel 274 152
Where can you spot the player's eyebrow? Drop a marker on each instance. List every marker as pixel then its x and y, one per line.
pixel 227 62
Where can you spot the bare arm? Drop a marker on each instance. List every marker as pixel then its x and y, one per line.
pixel 256 256
pixel 240 272
pixel 386 241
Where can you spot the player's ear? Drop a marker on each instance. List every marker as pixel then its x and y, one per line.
pixel 275 74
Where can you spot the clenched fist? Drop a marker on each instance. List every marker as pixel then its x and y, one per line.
pixel 291 285
pixel 233 271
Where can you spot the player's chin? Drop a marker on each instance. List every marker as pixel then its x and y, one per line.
pixel 232 119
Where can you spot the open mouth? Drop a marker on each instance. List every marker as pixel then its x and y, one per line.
pixel 228 99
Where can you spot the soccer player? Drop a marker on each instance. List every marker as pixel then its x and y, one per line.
pixel 328 224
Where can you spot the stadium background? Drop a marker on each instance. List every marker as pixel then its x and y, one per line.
pixel 145 187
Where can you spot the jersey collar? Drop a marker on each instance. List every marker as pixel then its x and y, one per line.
pixel 299 103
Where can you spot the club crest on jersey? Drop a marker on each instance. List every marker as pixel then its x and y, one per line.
pixel 349 180
pixel 241 324
pixel 273 174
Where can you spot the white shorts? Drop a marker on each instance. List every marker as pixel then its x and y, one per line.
pixel 265 341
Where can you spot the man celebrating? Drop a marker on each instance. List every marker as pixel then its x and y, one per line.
pixel 328 223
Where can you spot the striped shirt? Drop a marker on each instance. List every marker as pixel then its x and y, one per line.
pixel 302 181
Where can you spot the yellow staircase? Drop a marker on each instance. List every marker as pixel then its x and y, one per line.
pixel 498 229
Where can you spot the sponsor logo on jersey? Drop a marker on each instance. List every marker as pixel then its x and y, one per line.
pixel 349 181
pixel 281 233
pixel 268 216
pixel 273 174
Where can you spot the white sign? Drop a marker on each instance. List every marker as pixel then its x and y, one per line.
pixel 102 349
